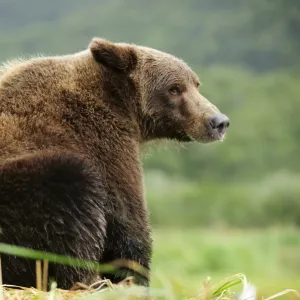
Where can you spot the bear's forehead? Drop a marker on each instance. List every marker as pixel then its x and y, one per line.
pixel 168 61
pixel 161 56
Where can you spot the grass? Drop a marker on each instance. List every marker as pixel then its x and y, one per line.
pixel 183 260
pixel 127 290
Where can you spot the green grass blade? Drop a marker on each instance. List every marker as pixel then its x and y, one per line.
pixel 70 261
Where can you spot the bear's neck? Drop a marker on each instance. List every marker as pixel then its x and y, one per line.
pixel 117 157
pixel 110 90
pixel 107 131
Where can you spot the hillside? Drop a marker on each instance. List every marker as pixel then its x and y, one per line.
pixel 260 34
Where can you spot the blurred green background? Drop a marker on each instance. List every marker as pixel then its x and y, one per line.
pixel 219 208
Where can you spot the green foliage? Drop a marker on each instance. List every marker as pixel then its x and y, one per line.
pixel 271 201
pixel 53 258
pixel 260 34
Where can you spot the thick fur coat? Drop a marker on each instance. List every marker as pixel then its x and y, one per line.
pixel 71 129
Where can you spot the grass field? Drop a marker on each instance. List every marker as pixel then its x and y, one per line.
pixel 184 258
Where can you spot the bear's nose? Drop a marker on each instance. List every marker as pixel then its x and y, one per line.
pixel 219 122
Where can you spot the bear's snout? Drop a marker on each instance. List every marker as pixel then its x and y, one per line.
pixel 218 125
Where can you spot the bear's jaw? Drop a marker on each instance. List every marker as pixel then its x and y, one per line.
pixel 215 136
pixel 209 137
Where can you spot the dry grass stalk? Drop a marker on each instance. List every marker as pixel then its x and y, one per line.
pixel 45 275
pixel 38 272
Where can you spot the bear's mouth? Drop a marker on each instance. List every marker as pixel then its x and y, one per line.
pixel 222 137
pixel 217 135
pixel 210 137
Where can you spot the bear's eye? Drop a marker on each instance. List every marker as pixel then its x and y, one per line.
pixel 174 90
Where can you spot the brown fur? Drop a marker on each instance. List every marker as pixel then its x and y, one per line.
pixel 90 112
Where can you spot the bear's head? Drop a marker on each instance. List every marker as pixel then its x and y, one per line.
pixel 170 105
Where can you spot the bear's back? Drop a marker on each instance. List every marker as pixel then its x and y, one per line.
pixel 31 112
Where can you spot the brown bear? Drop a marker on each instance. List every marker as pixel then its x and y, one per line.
pixel 71 129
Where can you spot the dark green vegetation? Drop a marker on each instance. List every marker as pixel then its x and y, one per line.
pixel 247 54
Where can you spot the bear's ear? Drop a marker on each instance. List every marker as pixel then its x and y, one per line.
pixel 121 58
